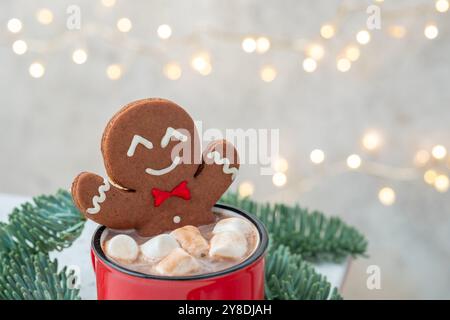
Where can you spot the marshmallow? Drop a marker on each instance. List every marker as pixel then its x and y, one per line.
pixel 228 244
pixel 234 224
pixel 178 263
pixel 191 240
pixel 123 248
pixel 158 247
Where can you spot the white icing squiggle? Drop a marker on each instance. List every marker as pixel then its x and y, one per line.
pixel 137 139
pixel 223 161
pixel 160 172
pixel 96 200
pixel 171 132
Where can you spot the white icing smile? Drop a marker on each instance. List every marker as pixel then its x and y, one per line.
pixel 139 140
pixel 160 172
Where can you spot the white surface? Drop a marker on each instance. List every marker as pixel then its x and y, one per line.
pixel 78 255
pixel 335 273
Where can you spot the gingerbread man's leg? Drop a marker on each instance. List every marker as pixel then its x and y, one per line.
pixel 98 200
pixel 219 168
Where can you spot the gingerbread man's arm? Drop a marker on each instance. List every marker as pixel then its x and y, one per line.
pixel 99 200
pixel 220 165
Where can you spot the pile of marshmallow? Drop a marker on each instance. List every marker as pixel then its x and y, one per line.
pixel 177 253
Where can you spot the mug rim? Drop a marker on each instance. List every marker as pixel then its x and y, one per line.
pixel 256 255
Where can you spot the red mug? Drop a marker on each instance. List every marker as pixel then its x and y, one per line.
pixel 244 281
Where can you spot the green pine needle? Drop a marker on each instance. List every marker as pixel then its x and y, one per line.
pixel 289 277
pixel 25 276
pixel 311 234
pixel 53 223
pixel 49 223
pixel 35 229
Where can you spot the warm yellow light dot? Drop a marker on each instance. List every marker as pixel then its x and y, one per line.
pixel 371 140
pixel 439 152
pixel 431 31
pixel 327 31
pixel 309 65
pixel 281 165
pixel 279 179
pixel 343 64
pixel 201 63
pixel 19 47
pixel 36 70
pixel 386 196
pixel 421 158
pixel 268 73
pixel 44 16
pixel 430 176
pixel 442 5
pixel 317 156
pixel 172 71
pixel 14 25
pixel 397 31
pixel 363 37
pixel 108 3
pixel 114 71
pixel 352 53
pixel 79 56
pixel 262 44
pixel 249 45
pixel 164 31
pixel 315 51
pixel 354 161
pixel 441 183
pixel 207 70
pixel 246 189
pixel 124 25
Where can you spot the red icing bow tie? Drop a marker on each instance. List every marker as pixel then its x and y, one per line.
pixel 180 191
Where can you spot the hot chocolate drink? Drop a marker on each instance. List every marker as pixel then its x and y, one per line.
pixel 185 251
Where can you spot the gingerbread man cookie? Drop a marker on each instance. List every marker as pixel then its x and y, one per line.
pixel 158 178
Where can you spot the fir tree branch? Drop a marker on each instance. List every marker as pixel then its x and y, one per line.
pixel 33 230
pixel 53 223
pixel 289 277
pixel 25 276
pixel 49 223
pixel 311 234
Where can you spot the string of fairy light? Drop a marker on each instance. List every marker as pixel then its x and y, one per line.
pixel 313 51
pixel 433 164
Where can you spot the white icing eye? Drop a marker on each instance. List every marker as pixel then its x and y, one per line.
pixel 171 132
pixel 137 139
pixel 177 219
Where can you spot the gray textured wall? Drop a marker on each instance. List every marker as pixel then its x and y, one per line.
pixel 51 127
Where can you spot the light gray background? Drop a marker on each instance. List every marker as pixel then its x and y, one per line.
pixel 51 127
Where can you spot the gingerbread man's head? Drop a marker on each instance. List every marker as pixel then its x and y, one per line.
pixel 157 177
pixel 150 143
